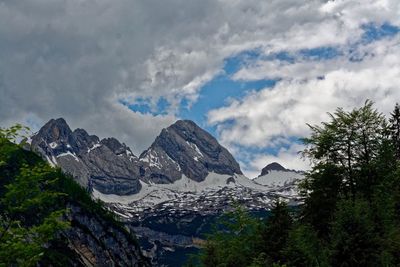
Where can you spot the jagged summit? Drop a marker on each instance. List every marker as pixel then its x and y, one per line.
pixel 185 148
pixel 274 166
pixel 184 174
pixel 106 165
pixel 183 159
pixel 55 130
pixel 109 166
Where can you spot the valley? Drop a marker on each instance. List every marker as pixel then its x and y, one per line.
pixel 174 191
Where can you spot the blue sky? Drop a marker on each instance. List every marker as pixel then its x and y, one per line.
pixel 222 89
pixel 253 73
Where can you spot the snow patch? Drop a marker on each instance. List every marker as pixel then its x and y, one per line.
pixel 196 148
pixel 152 194
pixel 68 154
pixel 52 161
pixel 53 145
pixel 29 140
pixel 278 178
pixel 93 147
pixel 130 155
pixel 152 158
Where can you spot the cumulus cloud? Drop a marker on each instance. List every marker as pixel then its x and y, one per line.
pixel 78 59
pixel 287 157
pixel 280 113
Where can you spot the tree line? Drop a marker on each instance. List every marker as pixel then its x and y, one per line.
pixel 351 202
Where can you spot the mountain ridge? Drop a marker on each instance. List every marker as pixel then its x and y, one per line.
pixel 184 178
pixel 102 164
pixel 111 167
pixel 185 148
pixel 91 235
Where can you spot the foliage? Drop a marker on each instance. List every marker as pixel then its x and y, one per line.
pixel 233 241
pixel 354 239
pixel 274 234
pixel 33 205
pixel 395 129
pixel 351 210
pixel 30 216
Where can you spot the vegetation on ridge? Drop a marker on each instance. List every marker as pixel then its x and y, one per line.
pixel 34 201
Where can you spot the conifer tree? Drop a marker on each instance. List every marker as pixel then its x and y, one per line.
pixel 276 232
pixel 350 215
pixel 395 129
pixel 351 141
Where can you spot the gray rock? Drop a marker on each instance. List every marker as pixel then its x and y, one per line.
pixel 107 165
pixel 185 148
pixel 111 168
pixel 274 166
pixel 97 241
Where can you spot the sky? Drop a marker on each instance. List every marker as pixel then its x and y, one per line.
pixel 252 73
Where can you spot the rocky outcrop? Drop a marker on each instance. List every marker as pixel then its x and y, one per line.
pixel 96 241
pixel 185 148
pixel 111 168
pixel 105 165
pixel 274 166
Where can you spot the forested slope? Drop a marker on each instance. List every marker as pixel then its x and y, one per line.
pixel 351 210
pixel 46 218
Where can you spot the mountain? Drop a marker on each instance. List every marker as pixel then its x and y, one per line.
pixel 104 165
pixel 173 191
pixel 274 166
pixel 107 166
pixel 35 200
pixel 275 175
pixel 185 149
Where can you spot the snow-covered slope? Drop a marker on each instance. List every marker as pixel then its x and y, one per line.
pixel 184 170
pixel 178 186
pixel 278 178
pixel 214 194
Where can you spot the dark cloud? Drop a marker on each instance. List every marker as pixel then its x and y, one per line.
pixel 78 58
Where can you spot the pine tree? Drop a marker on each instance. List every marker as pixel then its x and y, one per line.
pixel 276 232
pixel 395 129
pixel 350 215
pixel 354 239
pixel 233 243
pixel 351 141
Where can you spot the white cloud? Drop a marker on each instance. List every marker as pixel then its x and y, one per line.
pixel 287 157
pixel 265 117
pixel 76 58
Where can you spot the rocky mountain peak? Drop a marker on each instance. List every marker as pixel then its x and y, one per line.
pixel 185 148
pixel 55 130
pixel 107 165
pixel 112 144
pixel 274 166
pixel 118 148
pixel 110 167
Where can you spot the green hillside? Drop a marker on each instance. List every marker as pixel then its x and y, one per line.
pixel 48 219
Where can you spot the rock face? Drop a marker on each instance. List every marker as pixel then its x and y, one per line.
pixel 276 176
pixel 111 168
pixel 173 191
pixel 185 148
pixel 98 242
pixel 107 165
pixel 274 166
